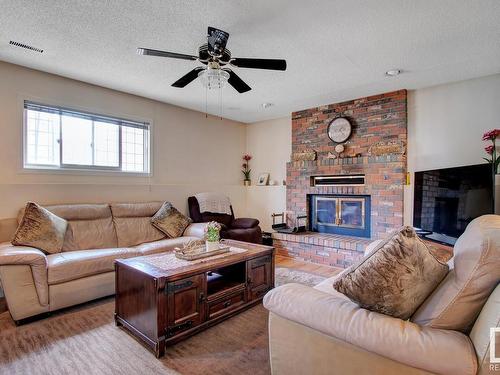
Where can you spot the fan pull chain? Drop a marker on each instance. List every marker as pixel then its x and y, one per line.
pixel 206 102
pixel 220 102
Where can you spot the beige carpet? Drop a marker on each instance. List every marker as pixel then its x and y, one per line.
pixel 84 340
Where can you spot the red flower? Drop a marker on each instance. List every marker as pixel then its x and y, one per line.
pixel 489 149
pixel 247 157
pixel 244 165
pixel 491 135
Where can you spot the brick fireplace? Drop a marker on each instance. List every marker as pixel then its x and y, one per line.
pixel 375 153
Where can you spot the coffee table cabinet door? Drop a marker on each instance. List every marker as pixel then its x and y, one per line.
pixel 259 276
pixel 185 304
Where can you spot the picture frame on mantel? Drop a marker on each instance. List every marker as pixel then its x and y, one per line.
pixel 263 179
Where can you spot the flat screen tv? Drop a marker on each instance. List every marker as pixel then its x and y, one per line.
pixel 446 200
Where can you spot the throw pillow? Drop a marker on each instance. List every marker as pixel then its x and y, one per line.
pixel 395 277
pixel 170 221
pixel 458 300
pixel 40 228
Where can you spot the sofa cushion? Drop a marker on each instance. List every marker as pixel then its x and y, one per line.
pixel 90 226
pixel 133 223
pixel 165 245
pixel 457 301
pixel 41 229
pixel 170 221
pixel 394 278
pixel 74 265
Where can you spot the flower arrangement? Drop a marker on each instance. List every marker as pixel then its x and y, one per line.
pixel 212 231
pixel 246 166
pixel 491 136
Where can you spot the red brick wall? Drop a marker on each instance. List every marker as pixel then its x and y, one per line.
pixel 376 118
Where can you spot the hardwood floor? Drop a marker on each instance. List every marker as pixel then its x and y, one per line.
pixel 317 269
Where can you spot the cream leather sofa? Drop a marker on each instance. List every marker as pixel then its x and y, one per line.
pixel 97 235
pixel 320 331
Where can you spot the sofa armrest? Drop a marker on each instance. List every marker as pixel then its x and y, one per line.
pixel 29 256
pixel 244 223
pixel 429 349
pixel 195 230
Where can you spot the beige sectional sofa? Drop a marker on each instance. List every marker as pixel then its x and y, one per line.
pixel 97 235
pixel 320 331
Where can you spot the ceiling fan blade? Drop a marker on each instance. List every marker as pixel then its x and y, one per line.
pixel 173 55
pixel 271 64
pixel 188 78
pixel 237 82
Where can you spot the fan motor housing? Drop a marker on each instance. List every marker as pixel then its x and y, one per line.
pixel 205 57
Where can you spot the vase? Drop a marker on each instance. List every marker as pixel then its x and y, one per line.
pixel 247 182
pixel 212 245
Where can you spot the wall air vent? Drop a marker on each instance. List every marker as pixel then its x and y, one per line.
pixel 338 180
pixel 25 46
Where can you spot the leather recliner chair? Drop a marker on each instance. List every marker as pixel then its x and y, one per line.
pixel 242 229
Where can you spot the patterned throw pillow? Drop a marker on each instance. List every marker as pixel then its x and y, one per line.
pixel 170 221
pixel 395 278
pixel 40 228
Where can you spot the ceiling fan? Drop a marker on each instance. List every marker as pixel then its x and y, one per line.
pixel 217 58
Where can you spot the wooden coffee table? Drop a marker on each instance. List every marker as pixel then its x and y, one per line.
pixel 162 300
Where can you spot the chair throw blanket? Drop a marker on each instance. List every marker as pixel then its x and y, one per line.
pixel 214 202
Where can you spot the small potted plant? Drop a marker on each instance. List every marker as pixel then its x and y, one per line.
pixel 212 235
pixel 246 169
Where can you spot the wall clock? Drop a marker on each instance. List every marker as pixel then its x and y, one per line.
pixel 339 129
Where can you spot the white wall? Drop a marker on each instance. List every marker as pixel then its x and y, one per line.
pixel 446 124
pixel 445 127
pixel 270 144
pixel 191 153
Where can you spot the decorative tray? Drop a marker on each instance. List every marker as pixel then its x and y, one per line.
pixel 198 251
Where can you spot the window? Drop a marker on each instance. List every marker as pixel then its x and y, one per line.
pixel 59 138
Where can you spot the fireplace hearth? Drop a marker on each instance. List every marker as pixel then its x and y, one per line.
pixel 347 215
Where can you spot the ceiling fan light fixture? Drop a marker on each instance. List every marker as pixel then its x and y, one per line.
pixel 213 79
pixel 217 59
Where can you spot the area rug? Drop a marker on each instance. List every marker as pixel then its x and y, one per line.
pixel 84 340
pixel 287 275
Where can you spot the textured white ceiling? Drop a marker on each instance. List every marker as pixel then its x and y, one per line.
pixel 335 49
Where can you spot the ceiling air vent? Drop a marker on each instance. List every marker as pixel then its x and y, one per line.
pixel 25 46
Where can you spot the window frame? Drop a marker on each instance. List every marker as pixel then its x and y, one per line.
pixel 121 122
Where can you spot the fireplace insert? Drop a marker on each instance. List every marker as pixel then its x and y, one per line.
pixel 340 214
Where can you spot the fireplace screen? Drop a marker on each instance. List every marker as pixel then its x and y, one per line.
pixel 340 214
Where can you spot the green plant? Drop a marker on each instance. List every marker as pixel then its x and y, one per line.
pixel 212 231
